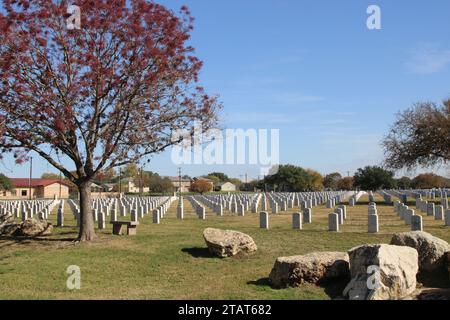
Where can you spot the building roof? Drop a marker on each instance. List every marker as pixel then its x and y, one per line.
pixel 177 179
pixel 25 182
pixel 227 182
pixel 204 179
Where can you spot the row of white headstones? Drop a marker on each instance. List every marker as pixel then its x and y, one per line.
pixel 139 207
pixel 338 217
pixel 28 209
pixel 240 203
pixel 439 212
pixel 415 221
pixel 331 199
pixel 136 207
pixel 417 194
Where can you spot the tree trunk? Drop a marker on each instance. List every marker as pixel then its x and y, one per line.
pixel 87 231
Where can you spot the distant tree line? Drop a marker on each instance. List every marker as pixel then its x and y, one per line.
pixel 288 178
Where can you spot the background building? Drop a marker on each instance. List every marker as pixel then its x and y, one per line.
pixel 225 186
pixel 39 188
pixel 185 184
pixel 128 186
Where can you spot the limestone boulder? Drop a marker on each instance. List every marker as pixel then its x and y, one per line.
pixel 382 272
pixel 431 249
pixel 6 218
pixel 228 243
pixel 9 229
pixel 33 228
pixel 310 268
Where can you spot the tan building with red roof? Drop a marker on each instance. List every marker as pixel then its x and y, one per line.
pixel 40 189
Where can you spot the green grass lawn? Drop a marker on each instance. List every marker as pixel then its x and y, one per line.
pixel 170 260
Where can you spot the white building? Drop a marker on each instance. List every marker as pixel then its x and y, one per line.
pixel 226 186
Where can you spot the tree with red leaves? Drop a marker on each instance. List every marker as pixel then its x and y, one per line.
pixel 105 95
pixel 201 186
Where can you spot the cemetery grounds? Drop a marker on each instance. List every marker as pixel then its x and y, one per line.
pixel 171 260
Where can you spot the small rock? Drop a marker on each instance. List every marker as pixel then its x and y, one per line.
pixel 227 243
pixel 431 249
pixel 382 272
pixel 312 268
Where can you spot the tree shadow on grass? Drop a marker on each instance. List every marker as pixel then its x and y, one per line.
pixel 37 238
pixel 198 252
pixel 378 203
pixel 27 240
pixel 66 232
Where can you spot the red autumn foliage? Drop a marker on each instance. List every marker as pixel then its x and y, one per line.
pixel 201 186
pixel 104 95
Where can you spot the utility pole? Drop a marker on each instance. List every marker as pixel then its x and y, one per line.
pixel 140 182
pixel 31 176
pixel 60 180
pixel 179 180
pixel 120 181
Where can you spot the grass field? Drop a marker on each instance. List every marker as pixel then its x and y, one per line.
pixel 170 260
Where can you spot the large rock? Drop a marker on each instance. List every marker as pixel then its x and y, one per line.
pixel 33 228
pixel 9 229
pixel 312 268
pixel 431 249
pixel 227 243
pixel 6 218
pixel 396 277
pixel 7 225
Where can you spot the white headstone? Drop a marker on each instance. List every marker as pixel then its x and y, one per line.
pixel 156 216
pixel 447 217
pixel 180 212
pixel 307 215
pixel 333 222
pixel 430 209
pixel 134 215
pixel 297 221
pixel 101 220
pixel 340 212
pixel 60 218
pixel 373 223
pixel 264 220
pixel 416 223
pixel 202 213
pixel 439 213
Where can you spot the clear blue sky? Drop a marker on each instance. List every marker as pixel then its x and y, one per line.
pixel 313 70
